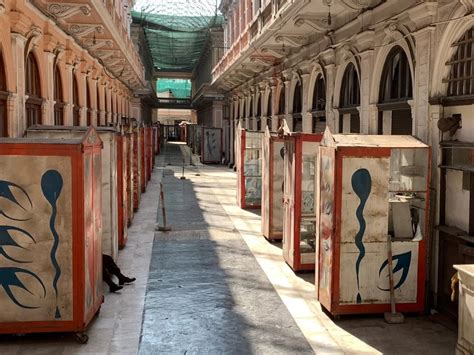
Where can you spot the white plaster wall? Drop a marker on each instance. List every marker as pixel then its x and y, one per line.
pixel 457 201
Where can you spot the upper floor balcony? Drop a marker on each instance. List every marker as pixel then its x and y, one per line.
pixel 103 28
pixel 276 29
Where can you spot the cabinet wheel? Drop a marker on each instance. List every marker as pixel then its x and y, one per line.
pixel 82 338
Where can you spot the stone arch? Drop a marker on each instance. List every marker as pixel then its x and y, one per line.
pixel 396 38
pixel 341 69
pixel 315 72
pixel 296 79
pixel 452 33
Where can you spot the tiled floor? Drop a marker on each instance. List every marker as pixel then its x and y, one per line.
pixel 215 230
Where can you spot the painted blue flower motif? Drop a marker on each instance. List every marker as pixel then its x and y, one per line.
pixel 403 262
pixel 9 278
pixel 6 240
pixel 6 192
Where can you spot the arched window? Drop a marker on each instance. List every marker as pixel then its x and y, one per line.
pixel 98 105
pixel 349 120
pixel 269 105
pixel 251 107
pixel 106 107
pixel 259 113
pixel 395 91
pixel 297 108
pixel 3 100
pixel 319 105
pixel 88 105
pixel 76 118
pixel 281 101
pixel 58 99
pixel 33 91
pixel 461 74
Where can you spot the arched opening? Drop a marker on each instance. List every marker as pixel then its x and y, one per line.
pixel 395 90
pixel 98 105
pixel 33 91
pixel 88 105
pixel 76 116
pixel 319 105
pixel 281 102
pixel 3 100
pixel 297 108
pixel 461 74
pixel 349 119
pixel 269 109
pixel 58 99
pixel 259 113
pixel 106 107
pixel 251 108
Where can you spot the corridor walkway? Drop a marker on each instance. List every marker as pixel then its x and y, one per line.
pixel 215 285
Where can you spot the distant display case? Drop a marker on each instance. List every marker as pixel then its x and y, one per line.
pixel 249 169
pixel 197 140
pixel 142 158
pixel 128 136
pixel 50 227
pixel 149 151
pixel 372 187
pixel 272 182
pixel 136 168
pixel 122 183
pixel 299 196
pixel 108 135
pixel 211 149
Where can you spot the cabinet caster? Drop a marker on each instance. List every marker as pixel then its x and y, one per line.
pixel 82 338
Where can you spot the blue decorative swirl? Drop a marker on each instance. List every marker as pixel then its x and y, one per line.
pixel 403 263
pixel 51 185
pixel 8 278
pixel 7 240
pixel 6 192
pixel 362 185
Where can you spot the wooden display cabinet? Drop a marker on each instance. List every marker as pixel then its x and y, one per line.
pixel 50 211
pixel 299 196
pixel 372 187
pixel 249 169
pixel 273 149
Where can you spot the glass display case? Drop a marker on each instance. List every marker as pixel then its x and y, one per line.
pixel 249 169
pixel 211 150
pixel 373 189
pixel 272 183
pixel 299 221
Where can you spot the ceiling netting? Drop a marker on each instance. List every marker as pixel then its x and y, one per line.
pixel 177 30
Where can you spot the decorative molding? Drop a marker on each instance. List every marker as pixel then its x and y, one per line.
pixel 64 10
pixel 352 5
pixel 81 30
pixel 3 7
pixel 276 51
pixel 292 40
pixel 317 21
pixel 93 44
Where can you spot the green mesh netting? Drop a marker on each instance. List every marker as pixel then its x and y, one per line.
pixel 180 88
pixel 177 31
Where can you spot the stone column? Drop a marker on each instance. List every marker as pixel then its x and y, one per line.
pixel 274 116
pixel 69 105
pixel 307 116
pixel 423 40
pixel 17 122
pixel 368 123
pixel 48 115
pixel 288 116
pixel 331 114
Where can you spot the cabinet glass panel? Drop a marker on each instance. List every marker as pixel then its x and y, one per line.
pixel 308 236
pixel 308 185
pixel 408 169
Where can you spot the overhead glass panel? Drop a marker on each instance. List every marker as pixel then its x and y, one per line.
pixel 177 31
